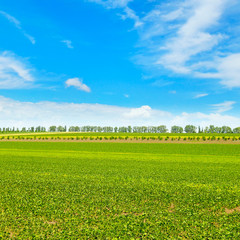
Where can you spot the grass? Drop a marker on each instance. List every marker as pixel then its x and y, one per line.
pixel 63 190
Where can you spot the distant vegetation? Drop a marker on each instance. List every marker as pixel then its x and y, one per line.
pixel 124 137
pixel 124 129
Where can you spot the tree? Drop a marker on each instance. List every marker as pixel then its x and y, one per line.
pixel 129 129
pixel 99 129
pixel 52 129
pixel 77 129
pixel 176 129
pixel 226 129
pixel 199 129
pixel 43 129
pixel 122 129
pixel 153 129
pixel 190 129
pixel 206 130
pixel 136 129
pixel 236 130
pixel 60 129
pixel 107 129
pixel 74 129
pixel 212 129
pixel 218 129
pixel 38 129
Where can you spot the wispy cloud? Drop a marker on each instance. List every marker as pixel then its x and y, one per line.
pixel 77 83
pixel 17 24
pixel 229 70
pixel 11 19
pixel 129 13
pixel 161 83
pixel 223 107
pixel 14 72
pixel 201 95
pixel 112 3
pixel 30 38
pixel 193 37
pixel 123 5
pixel 68 43
pixel 184 37
pixel 225 68
pixel 181 35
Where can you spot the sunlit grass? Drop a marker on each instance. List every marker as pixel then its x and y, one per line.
pixel 122 191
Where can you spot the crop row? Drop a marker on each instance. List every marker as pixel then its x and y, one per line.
pixel 99 138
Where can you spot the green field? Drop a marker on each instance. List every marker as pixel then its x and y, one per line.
pixel 72 190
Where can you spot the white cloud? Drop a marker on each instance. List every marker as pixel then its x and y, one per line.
pixel 129 13
pixel 171 16
pixel 193 37
pixel 20 114
pixel 203 120
pixel 188 37
pixel 173 92
pixel 184 37
pixel 30 38
pixel 17 24
pixel 11 19
pixel 223 107
pixel 14 73
pixel 112 3
pixel 126 95
pixel 68 43
pixel 77 83
pixel 229 70
pixel 142 112
pixel 201 95
pixel 161 83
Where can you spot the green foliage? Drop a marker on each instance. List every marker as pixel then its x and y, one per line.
pixel 176 129
pixel 190 129
pixel 51 129
pixel 236 130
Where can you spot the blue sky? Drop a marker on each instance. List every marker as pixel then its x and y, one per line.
pixel 119 62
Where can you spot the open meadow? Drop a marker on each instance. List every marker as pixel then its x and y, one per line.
pixel 63 190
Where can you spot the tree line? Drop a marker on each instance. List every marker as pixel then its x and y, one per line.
pixel 124 129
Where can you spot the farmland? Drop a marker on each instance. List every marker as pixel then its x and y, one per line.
pixel 124 137
pixel 108 190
